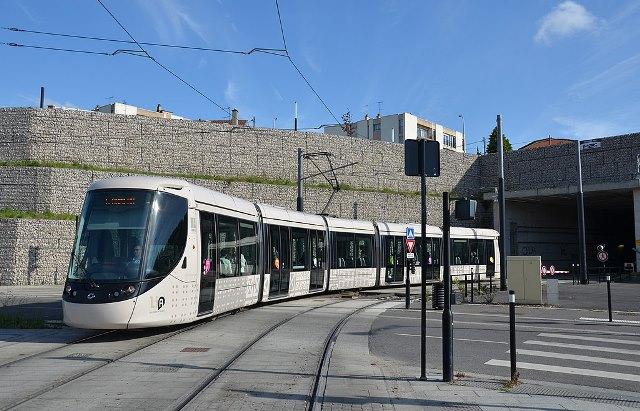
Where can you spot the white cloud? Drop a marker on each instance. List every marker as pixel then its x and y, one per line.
pixel 35 101
pixel 564 20
pixel 311 62
pixel 581 128
pixel 620 74
pixel 231 92
pixel 171 21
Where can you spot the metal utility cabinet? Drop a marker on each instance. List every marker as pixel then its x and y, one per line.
pixel 523 276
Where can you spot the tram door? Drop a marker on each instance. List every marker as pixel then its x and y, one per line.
pixel 280 260
pixel 208 259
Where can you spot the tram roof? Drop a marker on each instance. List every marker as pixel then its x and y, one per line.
pixel 401 229
pixel 347 225
pixel 280 215
pixel 466 232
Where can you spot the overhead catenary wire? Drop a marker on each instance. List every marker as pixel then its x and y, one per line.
pixel 162 65
pixel 265 50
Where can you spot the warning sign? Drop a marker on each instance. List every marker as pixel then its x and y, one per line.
pixel 411 245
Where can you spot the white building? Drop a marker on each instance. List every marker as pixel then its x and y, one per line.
pixel 396 128
pixel 127 110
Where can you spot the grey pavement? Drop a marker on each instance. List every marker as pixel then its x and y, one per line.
pixel 34 302
pixel 374 363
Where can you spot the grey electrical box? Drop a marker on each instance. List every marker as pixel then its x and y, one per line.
pixel 422 156
pixel 466 209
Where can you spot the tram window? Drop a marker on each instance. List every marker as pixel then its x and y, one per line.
pixel 248 243
pixel 345 250
pixel 476 252
pixel 168 236
pixel 208 243
pixel 314 249
pixel 389 252
pixel 299 249
pixel 364 255
pixel 437 251
pixel 228 246
pixel 459 252
pixel 417 250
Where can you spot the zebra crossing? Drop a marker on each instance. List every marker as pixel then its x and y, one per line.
pixel 576 354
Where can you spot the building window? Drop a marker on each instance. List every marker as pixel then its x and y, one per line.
pixel 424 132
pixel 376 126
pixel 449 140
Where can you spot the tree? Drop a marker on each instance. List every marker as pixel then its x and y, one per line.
pixel 492 147
pixel 347 125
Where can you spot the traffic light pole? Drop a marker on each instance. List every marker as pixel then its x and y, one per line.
pixel 447 317
pixel 423 276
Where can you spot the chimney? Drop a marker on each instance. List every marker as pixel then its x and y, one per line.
pixel 159 108
pixel 366 117
pixel 234 117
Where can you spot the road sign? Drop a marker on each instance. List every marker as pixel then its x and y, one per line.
pixel 603 256
pixel 411 256
pixel 410 245
pixel 411 233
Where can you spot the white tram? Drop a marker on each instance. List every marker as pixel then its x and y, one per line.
pixel 154 251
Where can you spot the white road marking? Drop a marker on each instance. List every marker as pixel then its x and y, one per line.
pixel 583 347
pixel 574 357
pixel 454 339
pixel 586 338
pixel 606 320
pixel 519 326
pixel 567 370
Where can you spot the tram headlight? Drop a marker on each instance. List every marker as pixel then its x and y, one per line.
pixel 130 289
pixel 67 289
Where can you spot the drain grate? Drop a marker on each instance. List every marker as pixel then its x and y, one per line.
pixel 160 368
pixel 194 349
pixel 79 355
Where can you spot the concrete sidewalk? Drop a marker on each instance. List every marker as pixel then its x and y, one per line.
pixel 358 379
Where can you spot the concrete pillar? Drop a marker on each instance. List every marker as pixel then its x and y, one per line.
pixel 636 223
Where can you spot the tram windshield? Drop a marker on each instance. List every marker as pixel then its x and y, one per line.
pixel 129 235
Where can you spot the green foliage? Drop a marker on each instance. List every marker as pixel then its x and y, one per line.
pixel 226 179
pixel 492 147
pixel 46 215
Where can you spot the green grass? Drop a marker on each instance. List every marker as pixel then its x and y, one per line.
pixel 227 179
pixel 46 215
pixel 18 321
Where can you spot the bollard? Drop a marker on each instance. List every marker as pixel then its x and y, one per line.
pixel 573 273
pixel 491 285
pixel 512 334
pixel 609 297
pixel 472 285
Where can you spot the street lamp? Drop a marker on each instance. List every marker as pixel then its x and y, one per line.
pixel 464 137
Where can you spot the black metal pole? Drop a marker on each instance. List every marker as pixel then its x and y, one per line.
pixel 491 285
pixel 501 206
pixel 581 224
pixel 423 279
pixel 512 334
pixel 465 286
pixel 609 297
pixel 447 316
pixel 407 288
pixel 472 285
pixel 41 97
pixel 299 202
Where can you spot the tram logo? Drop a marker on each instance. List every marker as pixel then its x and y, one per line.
pixel 160 303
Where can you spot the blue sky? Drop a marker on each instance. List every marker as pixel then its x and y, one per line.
pixel 564 68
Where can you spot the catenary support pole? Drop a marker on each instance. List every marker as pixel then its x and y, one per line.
pixel 447 316
pixel 295 117
pixel 472 285
pixel 512 334
pixel 423 271
pixel 299 201
pixel 501 205
pixel 609 298
pixel 581 225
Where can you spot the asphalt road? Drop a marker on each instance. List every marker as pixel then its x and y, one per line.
pixel 553 345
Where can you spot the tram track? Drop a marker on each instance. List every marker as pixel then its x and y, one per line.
pixel 103 362
pixel 208 381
